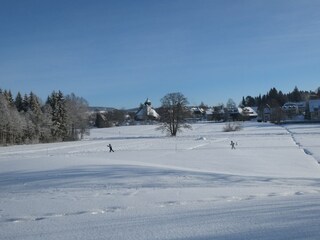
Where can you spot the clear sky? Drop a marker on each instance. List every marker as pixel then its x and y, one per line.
pixel 118 53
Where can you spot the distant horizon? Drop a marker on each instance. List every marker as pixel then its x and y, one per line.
pixel 120 52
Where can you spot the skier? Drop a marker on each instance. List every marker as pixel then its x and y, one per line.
pixel 110 148
pixel 232 145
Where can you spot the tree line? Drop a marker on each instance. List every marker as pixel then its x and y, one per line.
pixel 275 98
pixel 25 119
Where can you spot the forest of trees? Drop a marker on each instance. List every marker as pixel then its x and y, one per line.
pixel 275 98
pixel 25 119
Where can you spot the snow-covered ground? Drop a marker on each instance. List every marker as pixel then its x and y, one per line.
pixel 157 187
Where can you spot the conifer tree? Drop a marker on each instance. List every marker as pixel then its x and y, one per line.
pixel 296 95
pixel 19 102
pixel 59 116
pixel 25 103
pixel 35 114
pixel 34 104
pixel 8 96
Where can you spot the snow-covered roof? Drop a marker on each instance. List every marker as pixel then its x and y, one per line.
pixel 146 112
pixel 197 110
pixel 248 111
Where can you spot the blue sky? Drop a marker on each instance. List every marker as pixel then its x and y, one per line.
pixel 118 53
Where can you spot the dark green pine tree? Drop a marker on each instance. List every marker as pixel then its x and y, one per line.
pixel 243 102
pixel 35 112
pixel 296 95
pixel 25 103
pixel 59 115
pixel 34 104
pixel 19 102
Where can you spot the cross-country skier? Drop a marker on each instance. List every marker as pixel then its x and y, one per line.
pixel 232 145
pixel 110 148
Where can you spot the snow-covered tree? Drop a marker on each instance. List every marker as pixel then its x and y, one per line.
pixel 77 116
pixel 10 122
pixel 59 115
pixel 34 103
pixel 8 96
pixel 26 120
pixel 35 115
pixel 4 118
pixel 46 124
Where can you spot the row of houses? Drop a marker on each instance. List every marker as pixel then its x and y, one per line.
pixel 291 111
pixel 309 110
pixel 223 114
pixel 298 111
pixel 295 111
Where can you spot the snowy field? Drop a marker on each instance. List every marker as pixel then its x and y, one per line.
pixel 157 187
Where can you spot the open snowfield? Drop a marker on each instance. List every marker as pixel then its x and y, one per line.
pixel 157 187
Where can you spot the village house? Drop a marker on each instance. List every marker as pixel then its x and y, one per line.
pixel 294 110
pixel 309 110
pixel 198 113
pixel 248 113
pixel 146 112
pixel 314 108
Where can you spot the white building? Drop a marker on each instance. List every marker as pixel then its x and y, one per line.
pixel 146 112
pixel 314 107
pixel 248 112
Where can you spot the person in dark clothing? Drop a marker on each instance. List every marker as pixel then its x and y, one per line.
pixel 232 145
pixel 110 148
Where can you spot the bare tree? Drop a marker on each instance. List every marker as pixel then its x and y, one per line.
pixel 173 113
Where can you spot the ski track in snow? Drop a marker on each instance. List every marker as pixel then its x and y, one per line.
pixel 165 204
pixel 294 135
pixel 47 216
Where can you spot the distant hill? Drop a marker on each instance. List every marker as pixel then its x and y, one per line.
pixel 99 109
pixel 109 109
